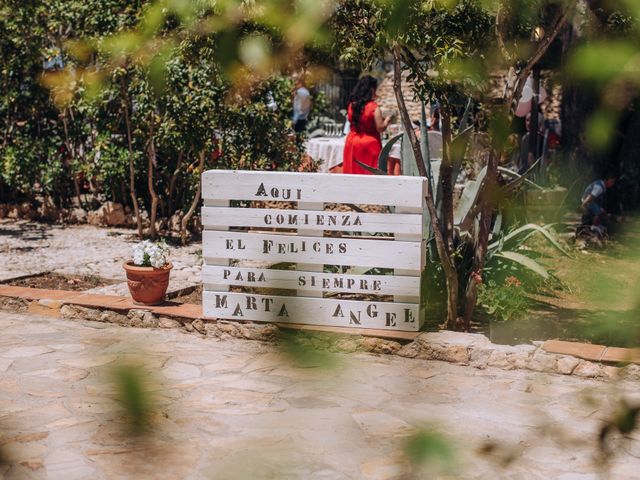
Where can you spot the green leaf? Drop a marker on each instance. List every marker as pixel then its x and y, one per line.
pixel 602 60
pixel 524 261
pixel 469 199
pixel 601 128
pixel 530 228
pixel 386 150
pixel 375 171
pixel 428 448
pixel 519 179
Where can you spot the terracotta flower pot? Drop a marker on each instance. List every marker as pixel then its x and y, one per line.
pixel 147 285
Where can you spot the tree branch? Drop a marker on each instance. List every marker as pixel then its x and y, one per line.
pixel 543 46
pixel 451 276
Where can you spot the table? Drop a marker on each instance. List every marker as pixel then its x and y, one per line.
pixel 329 151
pixel 326 150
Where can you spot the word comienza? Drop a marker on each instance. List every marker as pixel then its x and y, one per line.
pixel 325 219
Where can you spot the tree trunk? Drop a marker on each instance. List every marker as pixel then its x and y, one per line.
pixel 480 247
pixel 71 152
pixel 446 180
pixel 123 193
pixel 450 273
pixel 196 200
pixel 132 170
pixel 152 191
pixel 172 182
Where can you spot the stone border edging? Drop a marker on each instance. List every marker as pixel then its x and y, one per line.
pixel 476 350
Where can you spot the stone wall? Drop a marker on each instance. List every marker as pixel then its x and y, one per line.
pixel 474 350
pixel 387 99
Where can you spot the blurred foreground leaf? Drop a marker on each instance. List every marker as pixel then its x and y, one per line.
pixel 133 394
pixel 306 351
pixel 430 450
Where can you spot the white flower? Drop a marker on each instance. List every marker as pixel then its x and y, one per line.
pixel 149 254
pixel 138 254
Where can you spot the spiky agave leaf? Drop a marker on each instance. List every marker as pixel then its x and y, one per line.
pixel 519 179
pixel 529 229
pixel 383 158
pixel 373 170
pixel 469 199
pixel 524 261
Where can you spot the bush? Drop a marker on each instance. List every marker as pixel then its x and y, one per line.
pixel 505 301
pixel 74 144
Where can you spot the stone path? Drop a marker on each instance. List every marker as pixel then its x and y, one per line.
pixel 31 247
pixel 236 409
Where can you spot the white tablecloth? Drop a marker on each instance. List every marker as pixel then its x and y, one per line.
pixel 329 151
pixel 326 150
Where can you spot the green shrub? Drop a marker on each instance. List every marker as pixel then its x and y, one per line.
pixel 506 301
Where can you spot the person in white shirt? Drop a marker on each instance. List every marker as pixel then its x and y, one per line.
pixel 301 106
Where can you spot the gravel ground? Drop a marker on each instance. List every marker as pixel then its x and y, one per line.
pixel 30 247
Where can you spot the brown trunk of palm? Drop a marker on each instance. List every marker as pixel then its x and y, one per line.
pixel 195 202
pixel 451 276
pixel 132 170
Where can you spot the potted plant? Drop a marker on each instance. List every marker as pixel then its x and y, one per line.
pixel 148 272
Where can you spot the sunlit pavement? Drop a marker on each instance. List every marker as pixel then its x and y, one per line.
pixel 240 409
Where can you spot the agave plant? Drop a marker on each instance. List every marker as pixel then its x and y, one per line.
pixel 504 250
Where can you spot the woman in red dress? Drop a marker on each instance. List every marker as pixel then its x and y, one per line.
pixel 363 142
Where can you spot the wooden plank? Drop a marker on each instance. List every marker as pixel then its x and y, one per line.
pixel 220 261
pixel 212 218
pixel 312 187
pixel 316 311
pixel 296 249
pixel 319 207
pixel 415 295
pixel 310 281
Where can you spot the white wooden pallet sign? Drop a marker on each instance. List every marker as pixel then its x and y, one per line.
pixel 319 249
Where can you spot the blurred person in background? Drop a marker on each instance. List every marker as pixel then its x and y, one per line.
pixel 592 201
pixel 527 158
pixel 301 106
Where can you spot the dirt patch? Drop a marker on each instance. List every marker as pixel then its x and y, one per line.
pixel 56 281
pixel 189 296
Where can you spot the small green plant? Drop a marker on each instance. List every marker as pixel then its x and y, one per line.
pixel 506 301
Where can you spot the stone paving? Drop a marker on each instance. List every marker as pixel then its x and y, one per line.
pixel 31 247
pixel 234 409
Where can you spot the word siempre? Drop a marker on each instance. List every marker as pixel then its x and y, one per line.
pixel 335 282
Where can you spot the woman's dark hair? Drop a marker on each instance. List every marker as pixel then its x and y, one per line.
pixel 361 95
